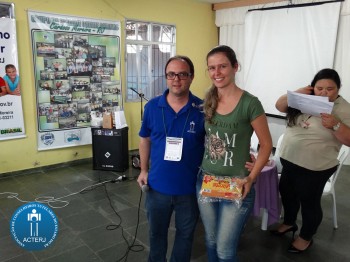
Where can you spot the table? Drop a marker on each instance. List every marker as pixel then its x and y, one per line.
pixel 267 196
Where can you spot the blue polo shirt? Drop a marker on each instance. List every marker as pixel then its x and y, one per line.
pixel 159 121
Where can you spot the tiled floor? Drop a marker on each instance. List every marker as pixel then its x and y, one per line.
pixel 83 234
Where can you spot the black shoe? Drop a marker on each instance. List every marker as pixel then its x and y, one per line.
pixel 293 249
pixel 293 229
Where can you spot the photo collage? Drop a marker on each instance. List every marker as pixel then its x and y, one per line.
pixel 75 75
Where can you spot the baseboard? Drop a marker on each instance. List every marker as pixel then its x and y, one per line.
pixel 46 168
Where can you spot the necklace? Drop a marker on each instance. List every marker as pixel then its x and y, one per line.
pixel 304 123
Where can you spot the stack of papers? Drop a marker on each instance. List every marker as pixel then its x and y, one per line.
pixel 309 104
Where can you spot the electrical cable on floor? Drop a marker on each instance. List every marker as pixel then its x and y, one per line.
pixel 130 247
pixel 49 200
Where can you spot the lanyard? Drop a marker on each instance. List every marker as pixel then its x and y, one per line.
pixel 184 125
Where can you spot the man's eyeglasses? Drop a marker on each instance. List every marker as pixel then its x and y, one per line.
pixel 181 76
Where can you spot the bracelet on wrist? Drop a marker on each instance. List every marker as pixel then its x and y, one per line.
pixel 336 127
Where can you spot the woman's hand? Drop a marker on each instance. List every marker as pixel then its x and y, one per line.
pixel 247 184
pixel 328 121
pixel 307 90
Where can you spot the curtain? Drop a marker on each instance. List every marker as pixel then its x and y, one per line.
pixel 342 50
pixel 231 27
pixel 231 23
pixel 285 47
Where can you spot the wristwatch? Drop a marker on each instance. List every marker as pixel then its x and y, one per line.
pixel 336 127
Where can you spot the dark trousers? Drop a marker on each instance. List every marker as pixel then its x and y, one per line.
pixel 302 188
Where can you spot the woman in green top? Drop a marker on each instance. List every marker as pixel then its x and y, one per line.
pixel 232 115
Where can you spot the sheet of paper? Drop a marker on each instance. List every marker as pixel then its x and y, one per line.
pixel 309 104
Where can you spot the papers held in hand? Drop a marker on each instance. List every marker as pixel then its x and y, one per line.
pixel 309 104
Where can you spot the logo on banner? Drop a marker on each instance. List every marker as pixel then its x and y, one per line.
pixel 48 138
pixel 11 130
pixel 34 226
pixel 72 136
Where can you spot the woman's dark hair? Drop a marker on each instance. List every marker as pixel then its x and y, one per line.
pixel 211 99
pixel 326 73
pixel 183 58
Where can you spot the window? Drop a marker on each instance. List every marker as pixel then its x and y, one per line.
pixel 7 10
pixel 148 48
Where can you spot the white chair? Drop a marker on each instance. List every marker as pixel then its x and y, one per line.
pixel 254 144
pixel 329 187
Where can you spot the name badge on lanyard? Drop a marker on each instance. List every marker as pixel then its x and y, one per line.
pixel 173 148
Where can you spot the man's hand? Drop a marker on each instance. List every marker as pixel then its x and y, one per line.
pixel 250 165
pixel 143 178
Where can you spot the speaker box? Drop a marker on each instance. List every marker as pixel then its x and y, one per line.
pixel 110 149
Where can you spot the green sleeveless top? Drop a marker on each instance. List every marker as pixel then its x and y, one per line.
pixel 227 143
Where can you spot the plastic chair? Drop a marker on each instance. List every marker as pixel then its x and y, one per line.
pixel 254 144
pixel 329 187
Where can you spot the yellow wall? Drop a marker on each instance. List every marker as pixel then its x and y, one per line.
pixel 196 35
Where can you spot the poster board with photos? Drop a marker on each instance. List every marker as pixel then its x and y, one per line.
pixel 77 70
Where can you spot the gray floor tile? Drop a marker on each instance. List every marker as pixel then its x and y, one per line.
pixel 121 250
pixel 100 238
pixel 82 253
pixel 27 257
pixel 66 240
pixel 9 249
pixel 83 235
pixel 85 220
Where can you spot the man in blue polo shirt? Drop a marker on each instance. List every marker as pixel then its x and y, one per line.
pixel 172 140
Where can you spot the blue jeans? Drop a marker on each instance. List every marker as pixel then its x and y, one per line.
pixel 224 222
pixel 159 210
